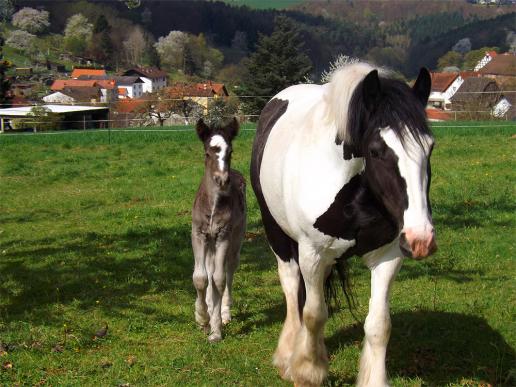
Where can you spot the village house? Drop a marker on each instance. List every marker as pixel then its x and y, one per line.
pixel 502 68
pixel 476 98
pixel 153 78
pixel 127 86
pixel 485 60
pixel 107 87
pixel 444 86
pixel 200 93
pixel 74 96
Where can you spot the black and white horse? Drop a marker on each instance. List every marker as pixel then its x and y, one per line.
pixel 339 170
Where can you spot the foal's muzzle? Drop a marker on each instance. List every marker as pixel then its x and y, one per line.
pixel 418 245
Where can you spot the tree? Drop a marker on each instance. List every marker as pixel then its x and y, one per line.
pixel 157 108
pixel 31 20
pixel 78 33
pixel 6 10
pixel 451 58
pixel 21 40
pixel 101 47
pixel 135 46
pixel 279 61
pixel 40 118
pixel 171 49
pixel 5 84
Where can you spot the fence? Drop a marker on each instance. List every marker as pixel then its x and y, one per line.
pixel 186 111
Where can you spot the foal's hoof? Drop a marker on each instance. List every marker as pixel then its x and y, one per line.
pixel 214 337
pixel 226 321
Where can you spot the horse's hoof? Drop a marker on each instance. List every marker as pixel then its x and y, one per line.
pixel 215 338
pixel 226 321
pixel 205 329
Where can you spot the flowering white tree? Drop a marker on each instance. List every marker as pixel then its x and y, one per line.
pixel 31 20
pixel 21 40
pixel 77 33
pixel 171 48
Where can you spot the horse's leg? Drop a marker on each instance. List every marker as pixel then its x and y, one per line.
pixel 217 289
pixel 384 264
pixel 289 278
pixel 200 280
pixel 309 363
pixel 227 299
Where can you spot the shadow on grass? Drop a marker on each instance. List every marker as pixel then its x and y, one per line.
pixel 83 269
pixel 113 269
pixel 441 348
pixel 464 214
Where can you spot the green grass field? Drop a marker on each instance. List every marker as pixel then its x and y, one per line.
pixel 95 229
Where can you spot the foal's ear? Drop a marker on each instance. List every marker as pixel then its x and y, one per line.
pixel 371 88
pixel 203 130
pixel 422 86
pixel 232 128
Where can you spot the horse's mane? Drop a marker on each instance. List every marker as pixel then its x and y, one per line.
pixel 346 108
pixel 341 87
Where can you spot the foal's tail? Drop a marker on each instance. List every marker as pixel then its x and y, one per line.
pixel 339 275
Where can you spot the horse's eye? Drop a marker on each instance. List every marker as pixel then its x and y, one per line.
pixel 206 154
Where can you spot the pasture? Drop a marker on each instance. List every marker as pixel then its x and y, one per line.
pixel 95 230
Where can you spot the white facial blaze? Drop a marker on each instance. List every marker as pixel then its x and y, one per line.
pixel 219 141
pixel 412 159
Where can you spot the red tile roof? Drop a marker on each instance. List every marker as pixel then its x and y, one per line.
pixel 204 89
pixel 60 84
pixel 441 81
pixel 469 74
pixel 76 73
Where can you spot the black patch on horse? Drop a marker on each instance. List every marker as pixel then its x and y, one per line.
pixel 381 102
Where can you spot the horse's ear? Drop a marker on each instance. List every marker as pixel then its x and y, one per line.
pixel 371 88
pixel 203 130
pixel 232 128
pixel 423 85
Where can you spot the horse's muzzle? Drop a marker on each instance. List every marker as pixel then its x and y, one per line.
pixel 417 245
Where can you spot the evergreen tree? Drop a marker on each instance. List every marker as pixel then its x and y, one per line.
pixel 279 62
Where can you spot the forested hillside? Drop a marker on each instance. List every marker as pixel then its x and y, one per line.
pixel 402 35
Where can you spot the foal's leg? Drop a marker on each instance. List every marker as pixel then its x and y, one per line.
pixel 289 278
pixel 217 289
pixel 309 362
pixel 384 265
pixel 200 280
pixel 227 299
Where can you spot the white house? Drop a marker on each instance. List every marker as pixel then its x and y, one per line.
pixel 488 57
pixel 129 87
pixel 444 86
pixel 153 78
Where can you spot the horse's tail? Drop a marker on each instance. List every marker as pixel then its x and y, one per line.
pixel 339 275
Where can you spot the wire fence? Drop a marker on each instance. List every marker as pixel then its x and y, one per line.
pixel 149 112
